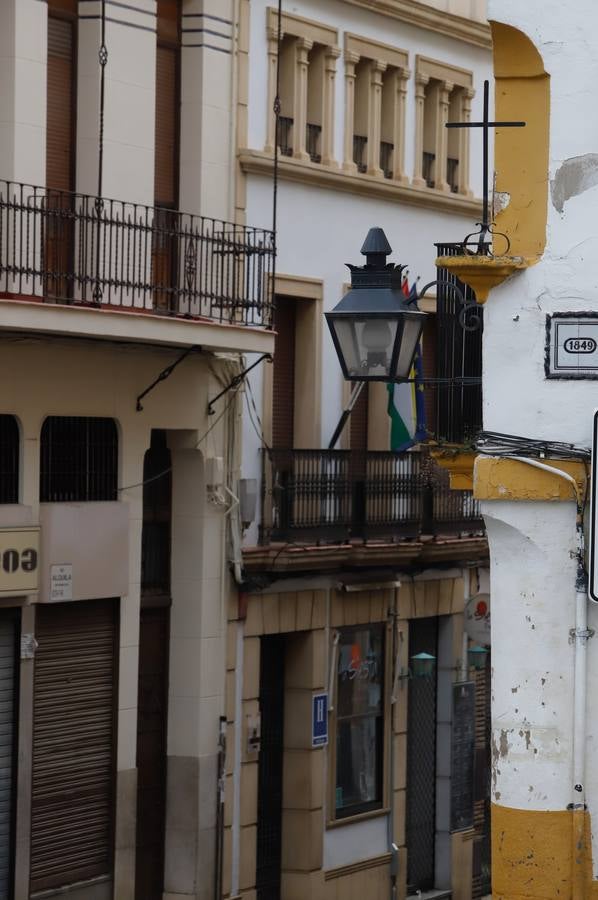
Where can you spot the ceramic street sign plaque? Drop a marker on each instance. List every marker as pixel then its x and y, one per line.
pixel 572 345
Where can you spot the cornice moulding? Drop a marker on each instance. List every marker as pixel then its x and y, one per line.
pixel 423 16
pixel 256 162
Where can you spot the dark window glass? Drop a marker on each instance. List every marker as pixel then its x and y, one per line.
pixel 79 459
pixel 9 460
pixel 360 720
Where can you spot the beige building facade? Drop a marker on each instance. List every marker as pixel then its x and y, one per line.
pixel 128 297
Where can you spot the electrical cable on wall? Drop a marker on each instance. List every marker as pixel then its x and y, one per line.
pixel 276 110
pixel 495 443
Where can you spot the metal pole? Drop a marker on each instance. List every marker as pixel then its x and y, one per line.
pixel 346 413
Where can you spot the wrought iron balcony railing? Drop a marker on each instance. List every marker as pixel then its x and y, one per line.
pixel 61 247
pixel 331 496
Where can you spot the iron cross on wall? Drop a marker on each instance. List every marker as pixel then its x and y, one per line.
pixel 486 125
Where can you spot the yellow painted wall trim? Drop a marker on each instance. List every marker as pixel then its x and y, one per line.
pixel 508 479
pixel 257 162
pixel 522 93
pixel 532 854
pixel 482 273
pixel 423 16
pixel 459 464
pixel 371 862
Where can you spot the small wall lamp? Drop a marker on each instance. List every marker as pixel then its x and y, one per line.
pixel 476 657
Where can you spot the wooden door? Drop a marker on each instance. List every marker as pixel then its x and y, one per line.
pixel 166 160
pixel 154 636
pixel 283 389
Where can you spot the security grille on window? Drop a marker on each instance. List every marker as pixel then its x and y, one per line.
pixel 360 720
pixel 79 459
pixel 9 460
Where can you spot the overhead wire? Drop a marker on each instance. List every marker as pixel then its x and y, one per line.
pixel 130 487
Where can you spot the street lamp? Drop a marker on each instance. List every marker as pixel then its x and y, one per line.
pixel 374 328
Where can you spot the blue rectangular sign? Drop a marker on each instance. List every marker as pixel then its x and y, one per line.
pixel 319 720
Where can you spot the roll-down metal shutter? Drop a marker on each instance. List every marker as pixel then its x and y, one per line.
pixel 8 728
pixel 73 743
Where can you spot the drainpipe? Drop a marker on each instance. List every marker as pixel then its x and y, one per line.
pixel 579 635
pixel 237 752
pixel 392 847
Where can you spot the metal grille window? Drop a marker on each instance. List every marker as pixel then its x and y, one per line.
pixel 285 135
pixel 427 168
pixel 386 153
pixel 79 459
pixel 452 174
pixel 9 460
pixel 459 358
pixel 360 721
pixel 313 138
pixel 360 142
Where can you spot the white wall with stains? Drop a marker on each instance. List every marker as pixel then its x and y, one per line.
pixel 533 577
pixel 532 544
pixel 517 397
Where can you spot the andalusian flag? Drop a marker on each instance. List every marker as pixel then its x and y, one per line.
pixel 406 406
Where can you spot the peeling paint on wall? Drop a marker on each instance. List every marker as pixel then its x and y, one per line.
pixel 575 176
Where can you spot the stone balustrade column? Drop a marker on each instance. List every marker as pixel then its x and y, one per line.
pixel 327 142
pixel 402 77
pixel 272 67
pixel 377 69
pixel 302 48
pixel 351 60
pixel 467 95
pixel 421 82
pixel 441 148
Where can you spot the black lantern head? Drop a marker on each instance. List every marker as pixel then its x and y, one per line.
pixel 374 329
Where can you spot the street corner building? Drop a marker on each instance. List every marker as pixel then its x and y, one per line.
pixel 539 371
pixel 129 292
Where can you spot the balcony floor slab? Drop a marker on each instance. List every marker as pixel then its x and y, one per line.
pixel 108 324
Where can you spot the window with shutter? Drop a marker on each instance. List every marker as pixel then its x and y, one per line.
pixel 167 104
pixel 60 127
pixel 73 778
pixel 283 388
pixel 9 459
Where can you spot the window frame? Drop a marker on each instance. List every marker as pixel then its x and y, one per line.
pixel 50 472
pixel 382 806
pixel 11 446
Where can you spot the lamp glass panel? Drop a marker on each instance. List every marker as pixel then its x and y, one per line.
pixel 412 328
pixel 367 345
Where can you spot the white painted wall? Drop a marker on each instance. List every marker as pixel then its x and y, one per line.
pixel 565 280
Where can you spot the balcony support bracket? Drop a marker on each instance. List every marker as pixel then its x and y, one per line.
pixel 236 381
pixel 165 373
